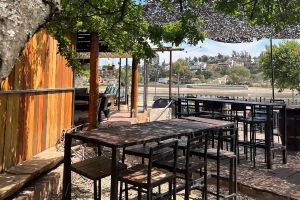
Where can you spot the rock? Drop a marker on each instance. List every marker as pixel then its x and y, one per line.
pixel 19 20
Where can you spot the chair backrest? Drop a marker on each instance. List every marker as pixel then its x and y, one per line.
pixel 196 141
pixel 103 103
pixel 107 90
pixel 231 138
pixel 161 156
pixel 81 90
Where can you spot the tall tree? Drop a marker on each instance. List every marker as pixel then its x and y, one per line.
pixel 286 62
pixel 238 74
pixel 180 66
pixel 204 58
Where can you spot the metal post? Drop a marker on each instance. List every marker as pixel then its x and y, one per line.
pixel 126 83
pixel 178 84
pixel 119 98
pixel 170 77
pixel 272 67
pixel 156 74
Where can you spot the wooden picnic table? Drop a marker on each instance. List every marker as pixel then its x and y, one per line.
pixel 268 127
pixel 124 136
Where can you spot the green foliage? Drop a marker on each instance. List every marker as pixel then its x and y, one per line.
pixel 286 62
pixel 238 74
pixel 180 65
pixel 201 78
pixel 120 23
pixel 207 74
pixel 274 13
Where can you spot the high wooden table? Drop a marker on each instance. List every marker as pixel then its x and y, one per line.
pixel 268 128
pixel 124 136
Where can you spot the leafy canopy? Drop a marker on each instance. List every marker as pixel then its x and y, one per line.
pixel 286 63
pixel 120 23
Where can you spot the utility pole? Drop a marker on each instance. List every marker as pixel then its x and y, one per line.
pixel 170 49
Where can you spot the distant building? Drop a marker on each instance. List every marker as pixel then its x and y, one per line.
pixel 223 64
pixel 198 66
pixel 223 80
pixel 163 80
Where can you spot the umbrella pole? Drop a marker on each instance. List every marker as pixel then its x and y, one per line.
pixel 272 67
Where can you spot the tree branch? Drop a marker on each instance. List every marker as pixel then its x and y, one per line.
pixel 252 12
pixel 123 12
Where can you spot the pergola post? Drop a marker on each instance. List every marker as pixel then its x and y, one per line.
pixel 94 88
pixel 170 77
pixel 134 88
pixel 126 83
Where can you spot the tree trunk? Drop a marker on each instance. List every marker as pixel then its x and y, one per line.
pixel 19 20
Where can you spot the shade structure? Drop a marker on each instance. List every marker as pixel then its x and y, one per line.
pixel 221 27
pixel 86 55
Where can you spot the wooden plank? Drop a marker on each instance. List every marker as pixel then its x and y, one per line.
pixel 30 121
pixel 41 96
pixel 50 96
pixel 8 134
pixel 20 106
pixel 54 103
pixel 35 115
pixel 58 121
pixel 21 129
pixel 68 120
pixel 15 128
pixel 3 103
pixel 19 175
pixel 45 96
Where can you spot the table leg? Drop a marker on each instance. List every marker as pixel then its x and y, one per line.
pixel 268 139
pixel 284 137
pixel 114 174
pixel 66 195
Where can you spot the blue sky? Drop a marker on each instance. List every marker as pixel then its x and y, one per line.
pixel 208 47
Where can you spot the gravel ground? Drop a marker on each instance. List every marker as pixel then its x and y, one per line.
pixel 82 188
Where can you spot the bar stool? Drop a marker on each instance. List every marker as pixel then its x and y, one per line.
pixel 147 177
pixel 219 155
pixel 142 152
pixel 186 165
pixel 95 169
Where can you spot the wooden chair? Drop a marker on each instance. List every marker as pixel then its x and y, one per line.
pixel 220 155
pixel 95 169
pixel 141 176
pixel 186 165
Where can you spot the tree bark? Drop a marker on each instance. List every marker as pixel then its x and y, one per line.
pixel 19 20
